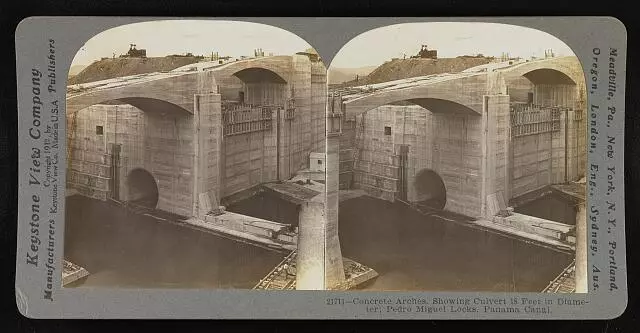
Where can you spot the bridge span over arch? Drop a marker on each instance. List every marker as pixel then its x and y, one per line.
pixel 557 84
pixel 459 129
pixel 294 85
pixel 166 139
pixel 457 146
pixel 280 67
pixel 145 91
pixel 567 70
pixel 195 155
pixel 457 93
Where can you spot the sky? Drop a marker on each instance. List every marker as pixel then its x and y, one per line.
pixel 450 39
pixel 200 37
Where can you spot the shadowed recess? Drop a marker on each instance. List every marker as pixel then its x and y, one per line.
pixel 548 76
pixel 143 189
pixel 155 105
pixel 257 75
pixel 430 189
pixel 442 106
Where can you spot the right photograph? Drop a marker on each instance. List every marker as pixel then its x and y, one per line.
pixel 456 159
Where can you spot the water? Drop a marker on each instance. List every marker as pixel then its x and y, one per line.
pixel 127 250
pixel 269 207
pixel 550 207
pixel 413 252
pixel 408 250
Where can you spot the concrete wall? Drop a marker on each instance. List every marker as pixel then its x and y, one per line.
pixel 518 90
pixel 168 144
pixel 481 165
pixel 257 157
pixel 457 158
pixel 542 159
pixel 449 144
pixel 576 144
pixel 531 163
pixel 89 156
pixel 229 87
pixel 162 140
pixel 265 93
pixel 346 144
pixel 453 145
pixel 250 158
pixel 160 144
pixel 378 169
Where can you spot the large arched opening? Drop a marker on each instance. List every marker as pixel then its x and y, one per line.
pixel 551 88
pixel 111 140
pixel 425 150
pixel 548 124
pixel 253 113
pixel 261 87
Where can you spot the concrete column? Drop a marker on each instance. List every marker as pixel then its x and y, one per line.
pixel 334 274
pixel 310 267
pixel 301 126
pixel 495 147
pixel 319 259
pixel 581 250
pixel 207 152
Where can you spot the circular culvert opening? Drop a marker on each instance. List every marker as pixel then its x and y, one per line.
pixel 430 189
pixel 143 189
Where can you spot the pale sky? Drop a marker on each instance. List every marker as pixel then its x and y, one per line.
pixel 200 37
pixel 451 39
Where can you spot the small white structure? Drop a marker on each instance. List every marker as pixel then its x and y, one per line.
pixel 317 162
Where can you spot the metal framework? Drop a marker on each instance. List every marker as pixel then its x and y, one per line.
pixel 246 118
pixel 530 119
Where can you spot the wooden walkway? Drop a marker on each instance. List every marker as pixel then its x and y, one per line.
pixel 282 277
pixel 565 282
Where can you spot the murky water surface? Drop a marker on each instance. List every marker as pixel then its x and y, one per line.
pixel 411 251
pixel 128 250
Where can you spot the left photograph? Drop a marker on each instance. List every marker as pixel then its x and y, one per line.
pixel 195 155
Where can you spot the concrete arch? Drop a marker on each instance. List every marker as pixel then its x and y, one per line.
pixel 142 188
pixel 561 70
pixel 449 94
pixel 261 86
pixel 258 75
pixel 548 76
pixel 277 65
pixel 170 89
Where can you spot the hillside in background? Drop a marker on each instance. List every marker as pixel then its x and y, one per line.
pixel 405 68
pixel 76 69
pixel 340 75
pixel 117 67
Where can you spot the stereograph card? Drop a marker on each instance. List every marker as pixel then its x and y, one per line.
pixel 367 168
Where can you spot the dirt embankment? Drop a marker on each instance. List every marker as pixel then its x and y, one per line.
pixel 117 67
pixel 340 75
pixel 405 68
